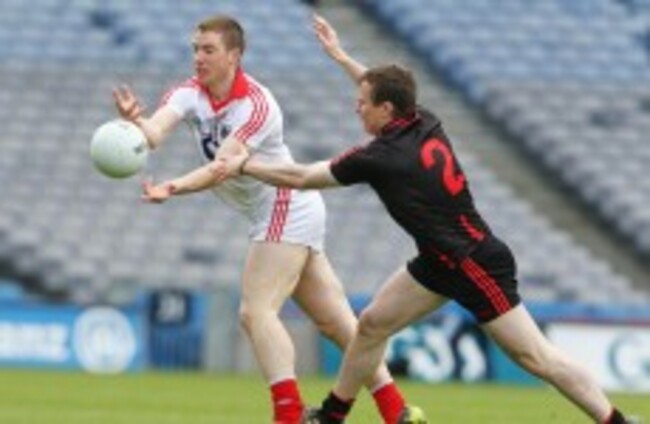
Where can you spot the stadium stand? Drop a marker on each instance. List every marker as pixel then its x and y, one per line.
pixel 69 231
pixel 568 79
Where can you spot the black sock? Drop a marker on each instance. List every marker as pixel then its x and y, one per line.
pixel 334 409
pixel 616 418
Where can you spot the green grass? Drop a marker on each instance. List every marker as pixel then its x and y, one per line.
pixel 34 397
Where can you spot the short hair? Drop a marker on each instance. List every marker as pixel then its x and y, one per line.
pixel 231 30
pixel 394 84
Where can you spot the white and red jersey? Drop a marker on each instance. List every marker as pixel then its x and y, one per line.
pixel 253 116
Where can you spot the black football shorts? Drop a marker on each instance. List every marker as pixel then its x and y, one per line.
pixel 484 282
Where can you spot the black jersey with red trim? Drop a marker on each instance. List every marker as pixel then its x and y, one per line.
pixel 412 167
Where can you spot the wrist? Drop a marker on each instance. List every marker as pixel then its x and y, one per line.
pixel 139 121
pixel 340 57
pixel 172 188
pixel 241 170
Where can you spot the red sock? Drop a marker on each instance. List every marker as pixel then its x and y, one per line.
pixel 615 417
pixel 287 404
pixel 390 402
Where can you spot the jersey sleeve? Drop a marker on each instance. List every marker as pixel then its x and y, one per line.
pixel 259 120
pixel 181 99
pixel 352 166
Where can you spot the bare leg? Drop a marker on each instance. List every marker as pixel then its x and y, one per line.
pixel 321 295
pixel 271 273
pixel 398 303
pixel 521 339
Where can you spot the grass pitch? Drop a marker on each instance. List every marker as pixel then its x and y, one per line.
pixel 34 397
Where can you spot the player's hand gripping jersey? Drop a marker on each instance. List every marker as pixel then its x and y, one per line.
pixel 251 114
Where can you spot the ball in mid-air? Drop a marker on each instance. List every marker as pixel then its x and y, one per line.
pixel 119 149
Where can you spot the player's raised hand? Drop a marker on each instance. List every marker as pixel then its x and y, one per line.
pixel 156 193
pixel 327 37
pixel 127 104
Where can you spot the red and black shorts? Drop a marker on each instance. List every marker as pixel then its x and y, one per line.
pixel 484 282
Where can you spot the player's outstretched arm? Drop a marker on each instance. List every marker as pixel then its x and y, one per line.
pixel 311 176
pixel 293 175
pixel 155 128
pixel 196 180
pixel 200 178
pixel 329 40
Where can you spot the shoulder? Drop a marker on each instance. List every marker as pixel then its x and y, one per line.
pixel 346 154
pixel 261 100
pixel 187 88
pixel 259 92
pixel 427 115
pixel 356 151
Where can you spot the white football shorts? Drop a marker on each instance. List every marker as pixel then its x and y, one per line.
pixel 292 216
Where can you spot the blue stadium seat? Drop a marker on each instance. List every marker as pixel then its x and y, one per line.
pixel 587 54
pixel 90 236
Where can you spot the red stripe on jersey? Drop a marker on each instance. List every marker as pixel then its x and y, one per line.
pixel 258 116
pixel 486 284
pixel 473 232
pixel 279 216
pixel 400 123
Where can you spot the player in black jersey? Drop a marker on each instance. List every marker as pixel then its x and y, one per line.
pixel 412 167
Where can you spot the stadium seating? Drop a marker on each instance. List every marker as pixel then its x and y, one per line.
pixel 78 233
pixel 568 78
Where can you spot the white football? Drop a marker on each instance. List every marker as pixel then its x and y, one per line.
pixel 119 149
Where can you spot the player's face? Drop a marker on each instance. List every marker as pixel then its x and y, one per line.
pixel 374 117
pixel 213 62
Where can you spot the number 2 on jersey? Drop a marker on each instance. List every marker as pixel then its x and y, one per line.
pixel 453 181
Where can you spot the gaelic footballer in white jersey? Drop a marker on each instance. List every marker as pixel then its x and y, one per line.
pixel 251 113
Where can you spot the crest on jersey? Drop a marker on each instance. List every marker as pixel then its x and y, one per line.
pixel 212 134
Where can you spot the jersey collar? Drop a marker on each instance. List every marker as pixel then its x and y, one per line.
pixel 399 123
pixel 239 89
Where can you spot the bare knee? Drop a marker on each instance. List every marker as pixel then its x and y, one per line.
pixel 246 317
pixel 372 326
pixel 335 330
pixel 531 362
pixel 249 316
pixel 543 363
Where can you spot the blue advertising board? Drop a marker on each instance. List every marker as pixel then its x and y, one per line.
pixel 96 339
pixel 444 346
pixel 448 346
pixel 177 326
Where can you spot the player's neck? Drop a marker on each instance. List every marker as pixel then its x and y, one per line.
pixel 220 90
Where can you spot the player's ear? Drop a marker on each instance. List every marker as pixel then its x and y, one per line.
pixel 389 109
pixel 235 56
